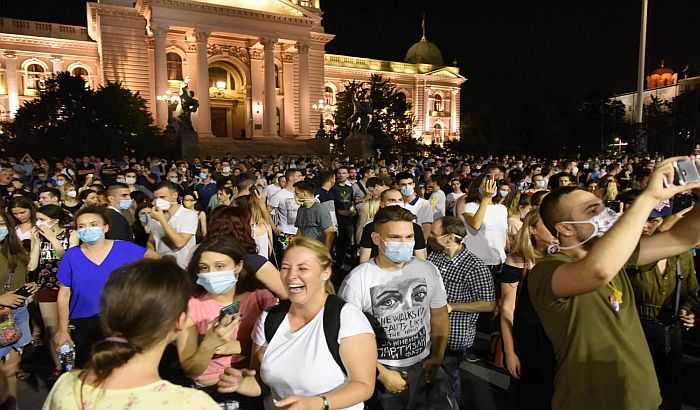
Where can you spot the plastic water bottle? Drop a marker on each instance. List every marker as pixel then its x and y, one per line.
pixel 66 354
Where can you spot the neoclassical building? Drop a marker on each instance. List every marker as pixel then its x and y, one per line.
pixel 258 67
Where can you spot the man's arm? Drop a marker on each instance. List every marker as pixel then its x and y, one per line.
pixel 475 306
pixel 330 235
pixel 420 253
pixel 680 238
pixel 439 330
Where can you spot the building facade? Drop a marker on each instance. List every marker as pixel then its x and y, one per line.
pixel 258 69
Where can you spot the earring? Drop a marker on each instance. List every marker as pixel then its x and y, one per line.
pixel 552 248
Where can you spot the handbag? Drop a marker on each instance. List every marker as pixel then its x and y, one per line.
pixel 9 332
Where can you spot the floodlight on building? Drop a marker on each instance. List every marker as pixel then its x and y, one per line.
pixel 221 85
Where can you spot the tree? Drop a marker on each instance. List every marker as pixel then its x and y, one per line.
pixel 392 120
pixel 70 118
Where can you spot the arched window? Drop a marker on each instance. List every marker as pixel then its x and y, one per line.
pixel 80 72
pixel 437 103
pixel 278 79
pixel 328 96
pixel 35 76
pixel 220 78
pixel 174 62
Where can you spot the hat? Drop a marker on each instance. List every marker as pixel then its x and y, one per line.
pixel 661 210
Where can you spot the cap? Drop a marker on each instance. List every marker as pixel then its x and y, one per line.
pixel 661 210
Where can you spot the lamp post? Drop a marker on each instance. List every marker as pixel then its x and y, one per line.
pixel 171 100
pixel 321 107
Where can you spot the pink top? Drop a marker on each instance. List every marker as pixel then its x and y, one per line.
pixel 203 310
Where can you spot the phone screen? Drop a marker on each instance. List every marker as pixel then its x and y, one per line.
pixel 231 310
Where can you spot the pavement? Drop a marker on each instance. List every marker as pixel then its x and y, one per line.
pixel 484 386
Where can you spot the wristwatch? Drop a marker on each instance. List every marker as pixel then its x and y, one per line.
pixel 325 402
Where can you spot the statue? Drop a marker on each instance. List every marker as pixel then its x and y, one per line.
pixel 188 105
pixel 362 112
pixel 180 127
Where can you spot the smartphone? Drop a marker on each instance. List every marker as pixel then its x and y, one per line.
pixel 614 205
pixel 23 291
pixel 489 177
pixel 231 310
pixel 681 202
pixel 685 172
pixel 254 190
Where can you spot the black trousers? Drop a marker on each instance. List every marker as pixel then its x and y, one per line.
pixel 344 245
pixel 85 333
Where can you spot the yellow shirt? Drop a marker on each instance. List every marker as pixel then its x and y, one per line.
pixel 66 395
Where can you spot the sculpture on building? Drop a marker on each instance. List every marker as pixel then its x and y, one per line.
pixel 179 128
pixel 362 112
pixel 188 105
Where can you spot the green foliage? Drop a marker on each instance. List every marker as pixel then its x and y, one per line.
pixel 69 118
pixel 392 120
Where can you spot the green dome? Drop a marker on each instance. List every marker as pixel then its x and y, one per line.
pixel 424 52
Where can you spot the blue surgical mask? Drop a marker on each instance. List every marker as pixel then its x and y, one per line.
pixel 3 232
pixel 91 235
pixel 217 282
pixel 125 204
pixel 503 193
pixel 399 252
pixel 121 180
pixel 60 182
pixel 407 190
pixel 143 219
pixel 203 175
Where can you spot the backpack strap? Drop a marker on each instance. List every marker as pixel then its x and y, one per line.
pixel 274 318
pixel 331 327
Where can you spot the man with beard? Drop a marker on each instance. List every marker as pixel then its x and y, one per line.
pixel 585 300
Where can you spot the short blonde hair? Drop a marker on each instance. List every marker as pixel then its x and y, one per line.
pixel 323 256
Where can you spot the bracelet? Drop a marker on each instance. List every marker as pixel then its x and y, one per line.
pixel 325 402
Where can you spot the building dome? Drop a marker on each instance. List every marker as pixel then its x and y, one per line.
pixel 662 70
pixel 662 77
pixel 424 52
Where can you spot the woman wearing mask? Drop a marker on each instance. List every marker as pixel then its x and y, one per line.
pixel 189 202
pixel 123 370
pixel 13 267
pixel 211 342
pixel 82 273
pixel 70 198
pixel 234 222
pixel 298 346
pixel 528 352
pixel 50 240
pixel 260 223
pixel 140 226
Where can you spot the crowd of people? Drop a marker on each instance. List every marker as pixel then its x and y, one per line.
pixel 312 283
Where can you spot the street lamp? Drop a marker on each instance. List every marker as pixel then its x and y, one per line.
pixel 321 107
pixel 171 100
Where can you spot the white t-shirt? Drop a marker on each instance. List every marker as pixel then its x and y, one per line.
pixel 453 197
pixel 437 201
pixel 300 363
pixel 489 242
pixel 184 221
pixel 271 189
pixel 421 209
pixel 400 302
pixel 285 210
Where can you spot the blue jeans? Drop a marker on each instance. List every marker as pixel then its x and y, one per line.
pixel 451 362
pixel 419 395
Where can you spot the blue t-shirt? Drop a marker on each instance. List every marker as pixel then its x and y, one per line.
pixel 86 280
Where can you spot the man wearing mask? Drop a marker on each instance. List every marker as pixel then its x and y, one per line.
pixel 313 219
pixel 206 187
pixel 119 200
pixel 173 227
pixel 405 299
pixel 130 179
pixel 584 298
pixel 174 177
pixel 469 288
pixel 421 208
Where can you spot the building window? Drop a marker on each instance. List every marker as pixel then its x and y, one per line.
pixel 437 103
pixel 80 72
pixel 328 96
pixel 278 79
pixel 174 62
pixel 220 78
pixel 35 77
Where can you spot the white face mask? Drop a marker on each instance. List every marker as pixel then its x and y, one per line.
pixel 163 204
pixel 130 181
pixel 601 224
pixel 72 194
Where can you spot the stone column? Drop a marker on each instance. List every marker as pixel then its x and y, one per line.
pixel 12 84
pixel 56 64
pixel 203 127
pixel 426 107
pixel 453 112
pixel 304 102
pixel 288 87
pixel 160 74
pixel 249 111
pixel 270 108
pixel 257 81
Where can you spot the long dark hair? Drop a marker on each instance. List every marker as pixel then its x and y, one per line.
pixel 11 245
pixel 224 245
pixel 233 222
pixel 25 203
pixel 55 212
pixel 473 194
pixel 144 320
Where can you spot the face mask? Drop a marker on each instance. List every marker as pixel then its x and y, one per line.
pixel 541 184
pixel 72 194
pixel 503 193
pixel 125 204
pixel 43 224
pixel 189 204
pixel 130 181
pixel 121 180
pixel 407 190
pixel 399 252
pixel 574 170
pixel 203 175
pixel 226 169
pixel 601 224
pixel 3 232
pixel 143 219
pixel 163 204
pixel 60 183
pixel 174 180
pixel 91 235
pixel 217 282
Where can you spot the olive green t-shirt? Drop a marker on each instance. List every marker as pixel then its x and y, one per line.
pixel 603 361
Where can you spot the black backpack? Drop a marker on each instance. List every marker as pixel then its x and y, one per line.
pixel 331 324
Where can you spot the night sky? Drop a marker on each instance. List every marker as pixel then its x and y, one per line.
pixel 507 49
